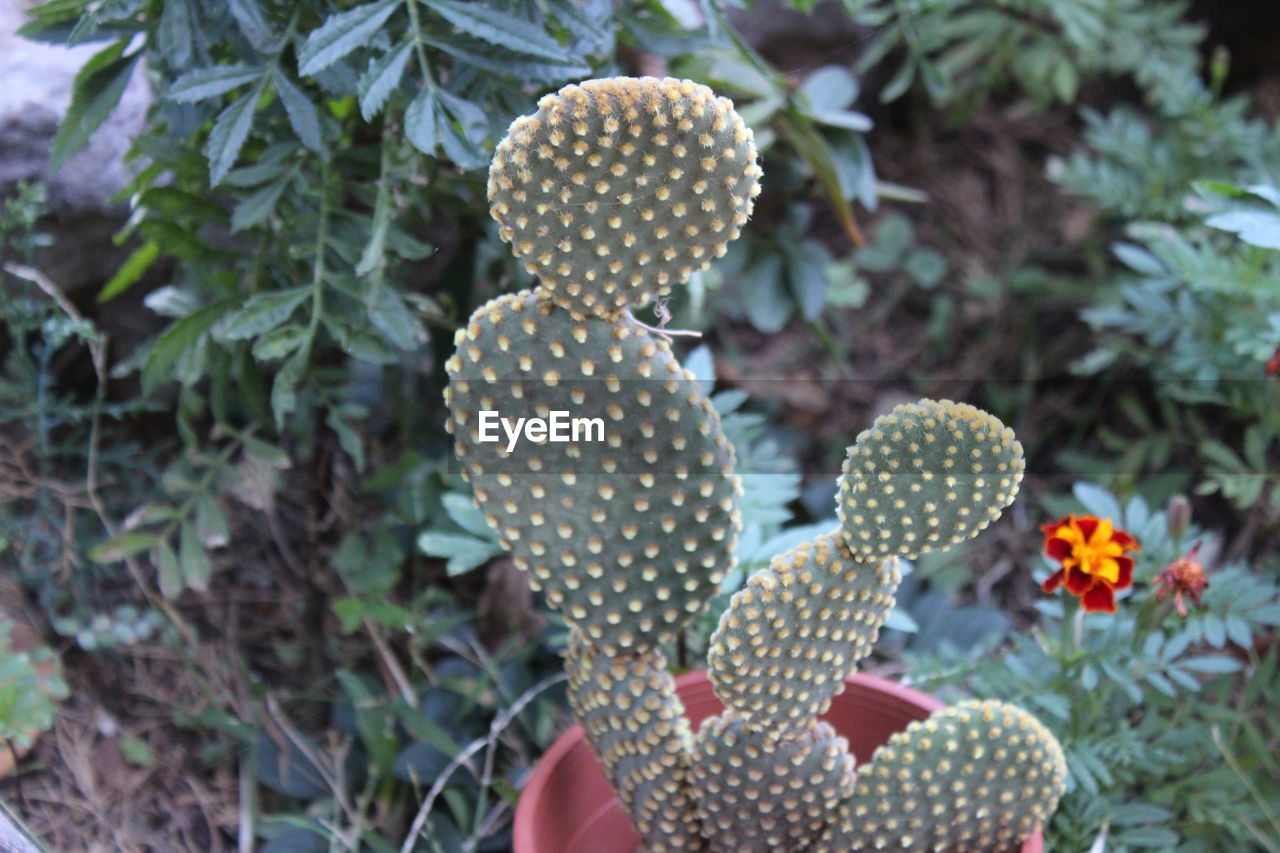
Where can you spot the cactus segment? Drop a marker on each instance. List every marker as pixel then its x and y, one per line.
pixel 616 190
pixel 636 726
pixel 926 476
pixel 797 629
pixel 628 530
pixel 765 792
pixel 978 777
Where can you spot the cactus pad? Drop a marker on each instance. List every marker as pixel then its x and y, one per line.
pixel 616 190
pixel 975 778
pixel 628 535
pixel 764 792
pixel 926 476
pixel 635 723
pixel 797 629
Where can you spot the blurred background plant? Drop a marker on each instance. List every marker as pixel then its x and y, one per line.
pixel 227 494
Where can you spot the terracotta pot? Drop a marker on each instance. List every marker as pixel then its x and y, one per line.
pixel 568 806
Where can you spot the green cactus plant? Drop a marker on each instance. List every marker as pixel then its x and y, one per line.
pixel 611 193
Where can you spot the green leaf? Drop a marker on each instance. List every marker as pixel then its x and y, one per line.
pixel 229 133
pixel 765 298
pixel 168 573
pixel 830 88
pixel 173 33
pixel 253 24
pixel 1215 664
pixel 341 34
pixel 1255 227
pixel 302 113
pixel 806 275
pixel 464 512
pixel 421 125
pixel 498 27
pixel 123 546
pixel 262 311
pixel 814 149
pixel 381 78
pixel 284 391
pixel 463 552
pixel 211 524
pixel 130 271
pixel 202 83
pixel 94 94
pixel 260 204
pixel 193 560
pixel 178 339
pixel 1097 501
pixel 264 452
pixel 390 316
pixel 471 117
pixel 136 752
pixel 280 342
pixel 843 119
pixel 508 65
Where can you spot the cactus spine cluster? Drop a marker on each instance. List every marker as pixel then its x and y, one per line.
pixel 611 193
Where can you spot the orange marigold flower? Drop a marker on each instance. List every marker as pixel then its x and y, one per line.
pixel 1092 554
pixel 1184 576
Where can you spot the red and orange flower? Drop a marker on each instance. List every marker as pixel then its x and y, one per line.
pixel 1092 553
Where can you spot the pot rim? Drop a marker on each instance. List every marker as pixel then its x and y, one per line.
pixel 524 830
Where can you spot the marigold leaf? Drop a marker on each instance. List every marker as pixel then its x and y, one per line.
pixel 94 94
pixel 303 117
pixel 203 83
pixel 341 34
pixel 229 133
pixel 381 78
pixel 500 28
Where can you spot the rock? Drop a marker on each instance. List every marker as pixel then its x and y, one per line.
pixel 35 94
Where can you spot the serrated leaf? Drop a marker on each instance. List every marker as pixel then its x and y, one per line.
pixel 259 205
pixel 94 94
pixel 130 271
pixel 470 117
pixel 173 33
pixel 253 24
pixel 421 125
pixel 120 547
pixel 303 117
pixel 498 27
pixel 229 133
pixel 381 78
pixel 178 339
pixel 203 83
pixel 261 312
pixel 390 316
pixel 510 66
pixel 284 391
pixel 341 34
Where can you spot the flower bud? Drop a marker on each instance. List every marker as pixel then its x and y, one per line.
pixel 1177 516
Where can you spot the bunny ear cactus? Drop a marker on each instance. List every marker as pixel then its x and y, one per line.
pixel 611 193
